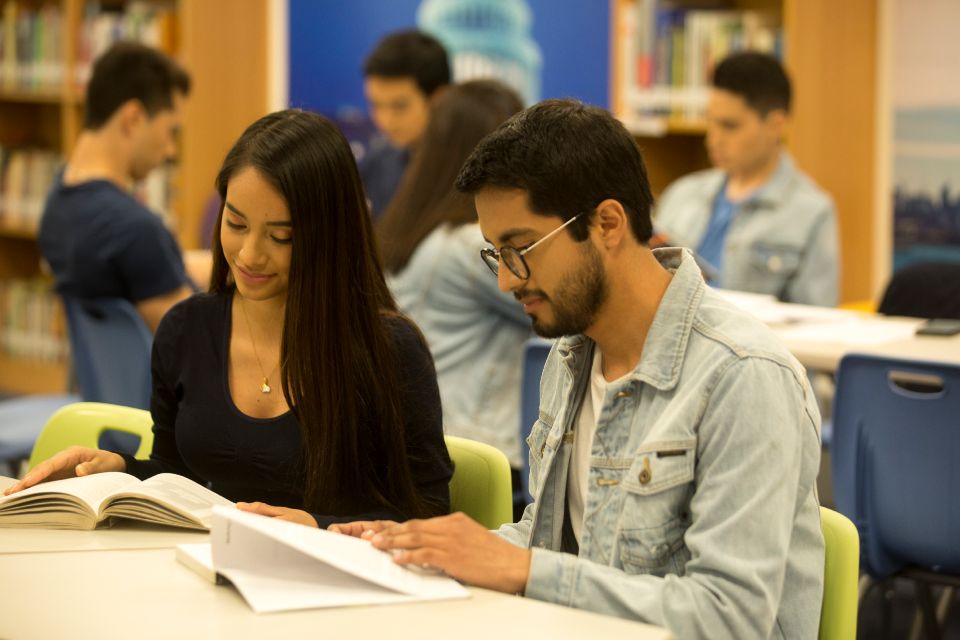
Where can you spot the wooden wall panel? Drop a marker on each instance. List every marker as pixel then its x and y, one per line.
pixel 223 43
pixel 831 54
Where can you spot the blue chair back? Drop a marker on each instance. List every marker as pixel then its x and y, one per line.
pixel 896 443
pixel 535 353
pixel 111 346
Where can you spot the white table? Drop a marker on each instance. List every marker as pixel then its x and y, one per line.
pixel 820 337
pixel 126 534
pixel 147 594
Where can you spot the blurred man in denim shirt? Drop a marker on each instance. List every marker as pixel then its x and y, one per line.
pixel 764 226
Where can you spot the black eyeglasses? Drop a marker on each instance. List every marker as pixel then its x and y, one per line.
pixel 513 258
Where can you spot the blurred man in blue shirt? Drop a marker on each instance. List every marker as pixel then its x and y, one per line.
pixel 400 76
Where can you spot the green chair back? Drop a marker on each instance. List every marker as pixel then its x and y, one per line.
pixel 480 486
pixel 841 573
pixel 82 423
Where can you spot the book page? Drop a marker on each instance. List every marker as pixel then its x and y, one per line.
pixel 173 493
pixel 279 565
pixel 91 490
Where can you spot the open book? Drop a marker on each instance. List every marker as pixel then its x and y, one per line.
pixel 85 503
pixel 278 566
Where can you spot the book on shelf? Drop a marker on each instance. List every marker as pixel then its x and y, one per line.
pixel 91 501
pixel 32 324
pixel 153 23
pixel 26 176
pixel 668 52
pixel 31 53
pixel 281 566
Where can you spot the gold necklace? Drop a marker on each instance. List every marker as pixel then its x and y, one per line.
pixel 265 385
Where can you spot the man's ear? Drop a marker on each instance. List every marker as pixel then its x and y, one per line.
pixel 612 220
pixel 131 115
pixel 776 121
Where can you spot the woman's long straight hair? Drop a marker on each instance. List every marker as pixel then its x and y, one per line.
pixel 338 361
pixel 426 198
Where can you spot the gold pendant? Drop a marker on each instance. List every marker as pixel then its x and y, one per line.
pixel 265 387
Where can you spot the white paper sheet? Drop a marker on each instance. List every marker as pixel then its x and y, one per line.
pixel 278 566
pixel 858 332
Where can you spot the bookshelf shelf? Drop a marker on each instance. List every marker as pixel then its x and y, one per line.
pixel 35 96
pixel 17 231
pixel 49 118
pixel 829 50
pixel 655 126
pixel 26 375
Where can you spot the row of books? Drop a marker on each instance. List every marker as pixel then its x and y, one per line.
pixel 668 53
pixel 26 176
pixel 153 23
pixel 32 53
pixel 31 46
pixel 32 322
pixel 25 179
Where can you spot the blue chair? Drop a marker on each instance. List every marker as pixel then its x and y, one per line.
pixel 896 443
pixel 535 353
pixel 21 420
pixel 111 348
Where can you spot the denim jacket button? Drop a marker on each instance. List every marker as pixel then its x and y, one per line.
pixel 645 474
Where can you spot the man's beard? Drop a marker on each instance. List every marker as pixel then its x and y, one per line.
pixel 576 301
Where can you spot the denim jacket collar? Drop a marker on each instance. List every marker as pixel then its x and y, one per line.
pixel 667 338
pixel 772 194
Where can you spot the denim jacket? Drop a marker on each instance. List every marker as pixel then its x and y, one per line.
pixel 700 515
pixel 782 242
pixel 476 334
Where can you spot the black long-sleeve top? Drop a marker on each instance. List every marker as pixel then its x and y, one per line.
pixel 201 434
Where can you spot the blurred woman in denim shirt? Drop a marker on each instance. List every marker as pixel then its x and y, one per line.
pixel 430 243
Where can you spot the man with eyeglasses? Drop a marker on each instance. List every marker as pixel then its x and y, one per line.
pixel 674 459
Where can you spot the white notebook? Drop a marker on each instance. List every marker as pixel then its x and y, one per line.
pixel 279 566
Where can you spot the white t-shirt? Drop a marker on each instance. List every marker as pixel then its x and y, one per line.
pixel 583 443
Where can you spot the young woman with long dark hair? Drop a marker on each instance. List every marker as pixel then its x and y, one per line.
pixel 294 386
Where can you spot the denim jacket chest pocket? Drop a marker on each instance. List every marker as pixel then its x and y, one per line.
pixel 657 491
pixel 776 262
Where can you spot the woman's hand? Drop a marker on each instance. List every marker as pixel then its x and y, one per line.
pixel 280 513
pixel 75 461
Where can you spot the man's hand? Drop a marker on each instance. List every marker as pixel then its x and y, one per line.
pixel 74 461
pixel 362 528
pixel 462 548
pixel 280 513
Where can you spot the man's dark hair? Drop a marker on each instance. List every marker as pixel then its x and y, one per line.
pixel 758 78
pixel 132 71
pixel 410 54
pixel 568 157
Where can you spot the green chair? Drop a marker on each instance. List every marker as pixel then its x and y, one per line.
pixel 480 486
pixel 841 574
pixel 82 423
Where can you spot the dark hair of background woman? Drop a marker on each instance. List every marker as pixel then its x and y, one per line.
pixel 338 364
pixel 426 198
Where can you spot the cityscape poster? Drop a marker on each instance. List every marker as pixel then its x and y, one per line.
pixel 926 131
